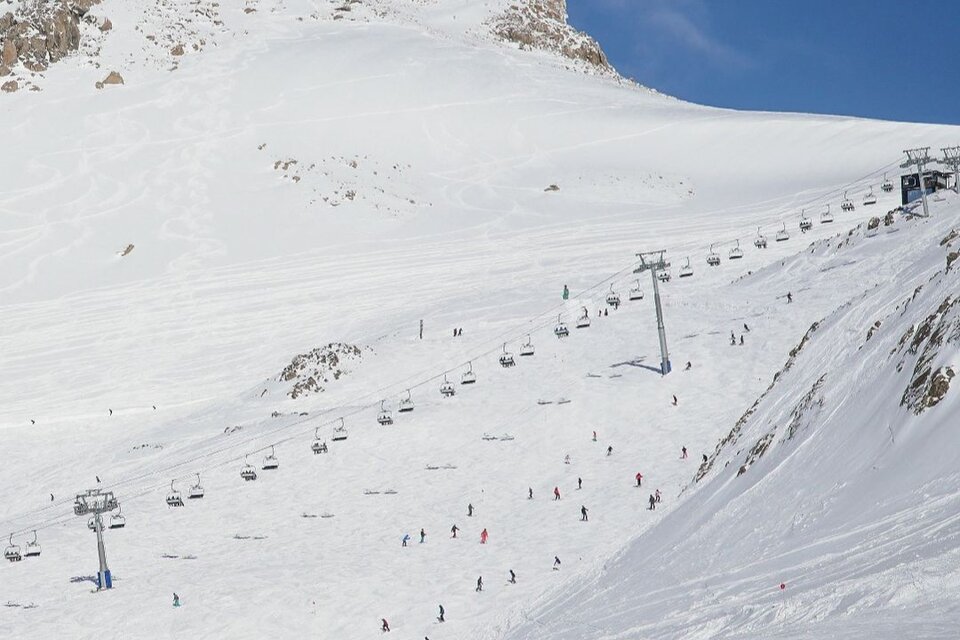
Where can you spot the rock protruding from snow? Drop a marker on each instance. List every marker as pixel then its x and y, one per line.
pixel 310 371
pixel 542 24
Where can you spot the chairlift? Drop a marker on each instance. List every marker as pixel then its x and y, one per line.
pixel 92 523
pixel 870 198
pixel 247 472
pixel 805 223
pixel 584 321
pixel 117 521
pixel 664 275
pixel 782 235
pixel 12 552
pixel 320 446
pixel 846 204
pixel 736 253
pixel 613 298
pixel 406 404
pixel 173 498
pixel 196 491
pixel 384 417
pixel 636 293
pixel 32 548
pixel 446 389
pixel 713 258
pixel 468 377
pixel 686 270
pixel 270 462
pixel 506 358
pixel 886 185
pixel 561 330
pixel 526 349
pixel 760 242
pixel 340 432
pixel 826 217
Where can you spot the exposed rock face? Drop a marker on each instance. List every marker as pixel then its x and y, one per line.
pixel 9 86
pixel 542 24
pixel 310 371
pixel 42 32
pixel 113 78
pixel 928 386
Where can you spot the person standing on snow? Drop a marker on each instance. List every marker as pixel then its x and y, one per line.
pixel 176 600
pixel 384 626
pixel 683 453
pixel 529 493
pixel 653 502
pixel 656 495
pixel 674 400
pixel 441 618
pixel 583 514
pixel 513 577
pixel 483 536
pixel 704 458
pixel 479 584
pixel 556 493
pixel 556 563
pixel 639 478
pixel 454 530
pixel 470 510
pixel 789 297
pixel 746 328
pixel 406 538
pixel 741 339
pixel 566 293
pixel 610 450
pixel 579 483
pixel 594 436
pixel 423 536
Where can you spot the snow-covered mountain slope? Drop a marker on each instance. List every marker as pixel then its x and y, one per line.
pixel 313 180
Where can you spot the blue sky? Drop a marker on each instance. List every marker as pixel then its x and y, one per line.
pixel 889 59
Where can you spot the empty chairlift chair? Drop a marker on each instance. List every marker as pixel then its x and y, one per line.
pixel 636 293
pixel 339 432
pixel 12 552
pixel 446 389
pixel 713 258
pixel 886 186
pixel 468 377
pixel 760 242
pixel 870 198
pixel 247 472
pixel 736 253
pixel 526 349
pixel 384 417
pixel 561 330
pixel 117 521
pixel 406 404
pixel 825 216
pixel 584 321
pixel 782 235
pixel 196 491
pixel 805 223
pixel 686 270
pixel 173 498
pixel 32 549
pixel 270 462
pixel 506 358
pixel 613 298
pixel 846 204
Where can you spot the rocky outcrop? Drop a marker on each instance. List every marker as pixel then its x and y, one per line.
pixel 42 32
pixel 927 386
pixel 10 86
pixel 309 372
pixel 542 24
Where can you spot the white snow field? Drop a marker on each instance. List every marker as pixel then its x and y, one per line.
pixel 299 180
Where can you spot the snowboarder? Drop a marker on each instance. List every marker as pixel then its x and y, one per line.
pixel 556 493
pixel 423 536
pixel 513 577
pixel 479 584
pixel 483 536
pixel 653 502
pixel 674 400
pixel 683 453
pixel 583 514
pixel 176 600
pixel 639 479
pixel 789 297
pixel 454 530
pixel 406 539
pixel 384 626
pixel 529 493
pixel 610 450
pixel 556 563
pixel 469 510
pixel 566 293
pixel 656 495
pixel 579 483
pixel 440 617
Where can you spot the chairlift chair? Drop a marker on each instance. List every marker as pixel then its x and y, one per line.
pixel 12 552
pixel 870 198
pixel 384 417
pixel 506 358
pixel 406 404
pixel 247 472
pixel 270 462
pixel 117 520
pixel 446 389
pixel 92 523
pixel 584 321
pixel 561 330
pixel 468 377
pixel 805 223
pixel 636 293
pixel 782 235
pixel 32 548
pixel 664 275
pixel 760 242
pixel 736 253
pixel 340 432
pixel 196 491
pixel 846 204
pixel 173 498
pixel 613 298
pixel 526 349
pixel 886 185
pixel 713 258
pixel 686 270
pixel 826 217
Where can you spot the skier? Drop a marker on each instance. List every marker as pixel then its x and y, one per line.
pixel 454 530
pixel 594 436
pixel 653 502
pixel 441 618
pixel 384 626
pixel 513 577
pixel 741 339
pixel 733 340
pixel 704 458
pixel 423 536
pixel 674 400
pixel 529 493
pixel 566 459
pixel 51 497
pixel 454 332
pixel 639 479
pixel 683 453
pixel 556 563
pixel 606 312
pixel 176 600
pixel 689 366
pixel 656 495
pixel 556 493
pixel 746 328
pixel 610 450
pixel 483 536
pixel 469 510
pixel 583 514
pixel 579 483
pixel 479 584
pixel 406 538
pixel 789 297
pixel 566 292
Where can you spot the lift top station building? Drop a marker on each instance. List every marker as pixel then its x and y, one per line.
pixel 933 181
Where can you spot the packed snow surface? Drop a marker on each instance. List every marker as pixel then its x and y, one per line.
pixel 297 182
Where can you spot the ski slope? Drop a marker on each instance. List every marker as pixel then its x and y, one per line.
pixel 447 140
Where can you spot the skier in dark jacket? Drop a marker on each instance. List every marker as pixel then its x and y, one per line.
pixel 454 530
pixel 556 563
pixel 479 584
pixel 470 510
pixel 513 577
pixel 583 514
pixel 653 502
pixel 423 536
pixel 440 617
